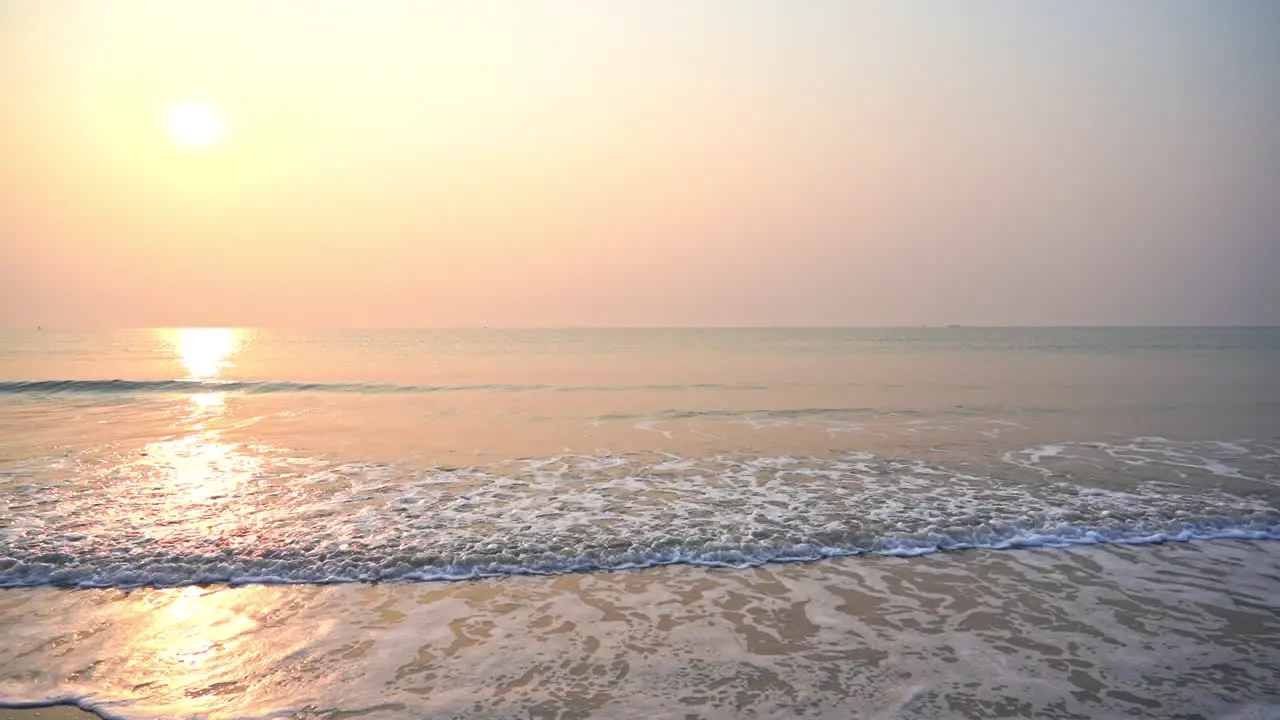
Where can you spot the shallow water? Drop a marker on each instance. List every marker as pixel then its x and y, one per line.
pixel 222 490
pixel 1174 630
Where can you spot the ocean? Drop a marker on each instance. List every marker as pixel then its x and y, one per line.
pixel 719 523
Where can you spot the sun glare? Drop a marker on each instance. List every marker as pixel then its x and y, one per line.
pixel 205 352
pixel 195 125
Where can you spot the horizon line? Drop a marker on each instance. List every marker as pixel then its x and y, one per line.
pixel 930 326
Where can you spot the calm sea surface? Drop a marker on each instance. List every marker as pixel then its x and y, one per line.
pixel 322 524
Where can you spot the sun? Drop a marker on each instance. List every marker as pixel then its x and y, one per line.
pixel 195 125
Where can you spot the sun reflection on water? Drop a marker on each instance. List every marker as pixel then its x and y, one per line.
pixel 194 487
pixel 196 651
pixel 198 493
pixel 208 403
pixel 198 473
pixel 206 353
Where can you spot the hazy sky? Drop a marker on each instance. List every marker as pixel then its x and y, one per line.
pixel 646 162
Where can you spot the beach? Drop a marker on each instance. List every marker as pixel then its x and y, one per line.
pixel 643 524
pixel 639 360
pixel 1112 631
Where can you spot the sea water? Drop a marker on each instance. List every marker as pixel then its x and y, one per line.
pixel 722 523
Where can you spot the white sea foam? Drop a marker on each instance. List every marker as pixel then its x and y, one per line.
pixel 206 512
pixel 1217 458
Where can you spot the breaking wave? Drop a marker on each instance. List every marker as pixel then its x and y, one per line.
pixel 197 513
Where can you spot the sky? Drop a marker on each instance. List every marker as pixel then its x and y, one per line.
pixel 423 163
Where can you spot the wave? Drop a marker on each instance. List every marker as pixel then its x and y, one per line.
pixel 185 387
pixel 177 571
pixel 190 514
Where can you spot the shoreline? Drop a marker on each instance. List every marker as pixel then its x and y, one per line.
pixel 1094 630
pixel 1018 544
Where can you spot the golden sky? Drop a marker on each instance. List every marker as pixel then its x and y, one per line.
pixel 554 162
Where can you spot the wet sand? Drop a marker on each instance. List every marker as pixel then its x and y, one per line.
pixel 1108 631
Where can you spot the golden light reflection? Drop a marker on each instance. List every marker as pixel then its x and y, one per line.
pixel 209 403
pixel 206 353
pixel 195 650
pixel 199 469
pixel 200 496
